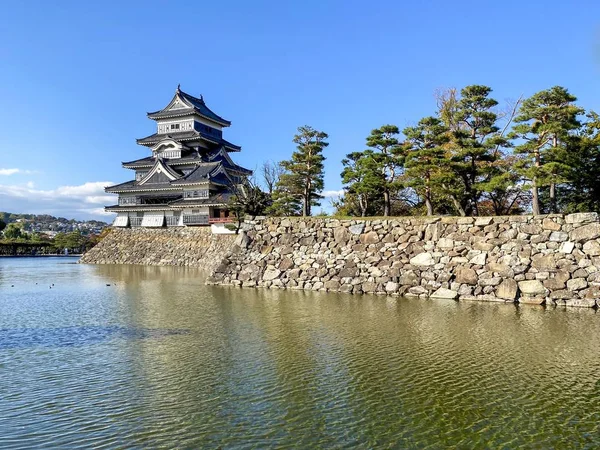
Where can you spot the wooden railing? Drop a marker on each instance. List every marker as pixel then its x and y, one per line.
pixel 172 221
pixel 135 221
pixel 221 219
pixel 195 219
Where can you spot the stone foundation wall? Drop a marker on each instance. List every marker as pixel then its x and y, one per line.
pixel 552 259
pixel 193 247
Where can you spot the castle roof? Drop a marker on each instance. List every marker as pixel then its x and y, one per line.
pixel 184 104
pixel 186 136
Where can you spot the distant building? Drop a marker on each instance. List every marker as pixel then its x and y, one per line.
pixel 190 175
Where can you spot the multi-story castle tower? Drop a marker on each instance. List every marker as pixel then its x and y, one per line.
pixel 189 177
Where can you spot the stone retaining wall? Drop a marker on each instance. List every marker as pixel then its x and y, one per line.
pixel 193 247
pixel 552 259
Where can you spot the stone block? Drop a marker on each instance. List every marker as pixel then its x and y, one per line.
pixel 271 274
pixel 418 290
pixel 542 262
pixel 332 285
pixel 483 221
pixel 532 300
pixel 549 224
pixel 586 232
pixel 580 302
pixel 444 293
pixel 561 294
pixel 494 281
pixel 577 284
pixel 532 287
pixel 357 228
pixel 422 259
pixel 592 248
pixel 466 276
pixel 566 247
pixel 479 259
pixel 445 243
pixel 369 287
pixel 558 236
pixel 579 218
pixel 554 284
pixel 507 290
pixel 370 238
pixel 530 228
pixel 390 287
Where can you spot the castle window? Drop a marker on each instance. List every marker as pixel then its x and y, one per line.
pixel 174 126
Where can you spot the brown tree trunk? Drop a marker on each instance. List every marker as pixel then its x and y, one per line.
pixel 428 199
pixel 535 200
pixel 386 203
pixel 458 206
pixel 429 206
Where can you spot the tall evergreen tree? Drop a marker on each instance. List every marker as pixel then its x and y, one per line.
pixel 363 178
pixel 475 136
pixel 388 154
pixel 544 124
pixel 425 157
pixel 303 179
pixel 582 156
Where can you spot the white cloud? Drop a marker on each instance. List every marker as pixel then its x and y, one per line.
pixel 339 193
pixel 81 202
pixel 15 171
pixel 9 171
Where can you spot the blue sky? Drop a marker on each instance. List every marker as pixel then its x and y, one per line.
pixel 77 78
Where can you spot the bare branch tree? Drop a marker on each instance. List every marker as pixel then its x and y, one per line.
pixel 271 171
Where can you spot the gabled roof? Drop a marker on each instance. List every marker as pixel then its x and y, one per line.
pixel 183 104
pixel 224 158
pixel 160 173
pixel 192 135
pixel 201 174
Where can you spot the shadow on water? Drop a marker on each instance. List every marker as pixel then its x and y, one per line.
pixel 76 336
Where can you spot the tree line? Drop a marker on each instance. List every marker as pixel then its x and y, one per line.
pixel 472 156
pixel 74 242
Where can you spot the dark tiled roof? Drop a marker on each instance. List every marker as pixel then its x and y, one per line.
pixel 134 186
pixel 229 165
pixel 187 136
pixel 198 175
pixel 125 185
pixel 196 106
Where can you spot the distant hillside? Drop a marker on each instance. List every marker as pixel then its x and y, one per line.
pixel 50 225
pixel 7 217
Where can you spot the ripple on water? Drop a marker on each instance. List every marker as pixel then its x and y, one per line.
pixel 160 360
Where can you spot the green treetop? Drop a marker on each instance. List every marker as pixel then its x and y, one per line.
pixel 388 154
pixel 475 138
pixel 543 125
pixel 363 178
pixel 303 177
pixel 425 157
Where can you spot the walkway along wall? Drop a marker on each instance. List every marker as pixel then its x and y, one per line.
pixel 185 246
pixel 552 259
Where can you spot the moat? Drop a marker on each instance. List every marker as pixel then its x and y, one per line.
pixel 137 356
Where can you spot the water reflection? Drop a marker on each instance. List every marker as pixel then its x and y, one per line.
pixel 177 364
pixel 74 336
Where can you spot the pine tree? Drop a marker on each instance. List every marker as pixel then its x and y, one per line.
pixel 363 178
pixel 582 156
pixel 544 123
pixel 475 136
pixel 388 154
pixel 425 157
pixel 303 177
